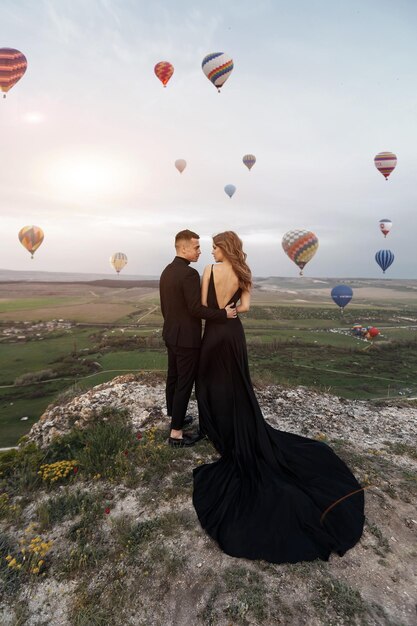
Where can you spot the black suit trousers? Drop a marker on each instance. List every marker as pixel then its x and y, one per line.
pixel 182 371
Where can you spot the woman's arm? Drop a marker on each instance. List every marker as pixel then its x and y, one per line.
pixel 244 302
pixel 204 284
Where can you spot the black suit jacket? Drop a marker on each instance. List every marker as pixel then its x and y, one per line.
pixel 179 290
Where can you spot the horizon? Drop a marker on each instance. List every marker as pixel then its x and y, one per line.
pixel 147 277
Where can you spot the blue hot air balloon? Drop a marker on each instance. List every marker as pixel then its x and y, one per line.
pixel 230 190
pixel 384 258
pixel 342 295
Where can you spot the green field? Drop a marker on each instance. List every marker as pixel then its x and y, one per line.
pixel 289 343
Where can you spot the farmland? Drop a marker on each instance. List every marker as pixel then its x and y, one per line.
pixel 60 338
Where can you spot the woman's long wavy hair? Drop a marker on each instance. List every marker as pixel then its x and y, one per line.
pixel 232 247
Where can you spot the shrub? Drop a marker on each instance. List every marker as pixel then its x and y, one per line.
pixel 35 377
pixel 19 468
pixel 57 508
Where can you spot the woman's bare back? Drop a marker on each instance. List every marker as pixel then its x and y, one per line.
pixel 225 283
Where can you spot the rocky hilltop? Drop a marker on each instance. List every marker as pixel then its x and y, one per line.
pixel 126 547
pixel 298 410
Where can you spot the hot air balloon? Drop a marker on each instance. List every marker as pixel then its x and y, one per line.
pixel 357 329
pixel 385 162
pixel 384 258
pixel 217 66
pixel 300 246
pixel 13 65
pixel 180 164
pixel 342 295
pixel 230 190
pixel 164 71
pixel 373 332
pixel 118 260
pixel 249 160
pixel 31 238
pixel 385 226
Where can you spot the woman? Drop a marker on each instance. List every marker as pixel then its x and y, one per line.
pixel 268 496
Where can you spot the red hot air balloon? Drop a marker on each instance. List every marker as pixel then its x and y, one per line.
pixel 13 65
pixel 164 71
pixel 385 163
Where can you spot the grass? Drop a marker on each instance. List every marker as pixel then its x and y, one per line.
pixel 67 505
pixel 22 304
pixel 334 598
pixel 36 355
pixel 288 345
pixel 143 359
pixel 382 547
pixel 402 449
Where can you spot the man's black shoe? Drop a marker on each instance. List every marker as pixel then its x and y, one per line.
pixel 183 442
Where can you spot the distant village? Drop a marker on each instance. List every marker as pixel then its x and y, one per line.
pixel 30 331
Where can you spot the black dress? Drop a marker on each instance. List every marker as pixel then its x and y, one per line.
pixel 266 495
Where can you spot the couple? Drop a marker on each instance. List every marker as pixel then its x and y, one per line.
pixel 272 495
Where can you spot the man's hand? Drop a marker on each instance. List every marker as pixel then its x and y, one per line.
pixel 231 311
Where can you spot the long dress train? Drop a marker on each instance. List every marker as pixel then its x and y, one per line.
pixel 266 495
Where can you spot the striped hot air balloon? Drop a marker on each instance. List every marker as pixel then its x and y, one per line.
pixel 13 65
pixel 384 258
pixel 118 260
pixel 164 71
pixel 385 162
pixel 249 160
pixel 31 238
pixel 300 246
pixel 217 66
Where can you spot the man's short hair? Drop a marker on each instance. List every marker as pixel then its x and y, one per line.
pixel 185 235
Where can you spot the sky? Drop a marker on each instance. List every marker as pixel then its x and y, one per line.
pixel 89 136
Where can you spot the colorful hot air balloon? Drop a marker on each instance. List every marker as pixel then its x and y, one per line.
pixel 31 238
pixel 385 162
pixel 385 225
pixel 180 164
pixel 249 160
pixel 357 329
pixel 217 66
pixel 384 258
pixel 164 71
pixel 230 190
pixel 300 246
pixel 342 295
pixel 13 65
pixel 118 260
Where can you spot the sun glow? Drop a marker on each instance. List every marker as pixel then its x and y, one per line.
pixel 89 175
pixel 33 118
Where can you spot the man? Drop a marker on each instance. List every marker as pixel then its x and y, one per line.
pixel 179 289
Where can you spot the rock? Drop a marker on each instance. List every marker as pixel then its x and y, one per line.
pixel 300 410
